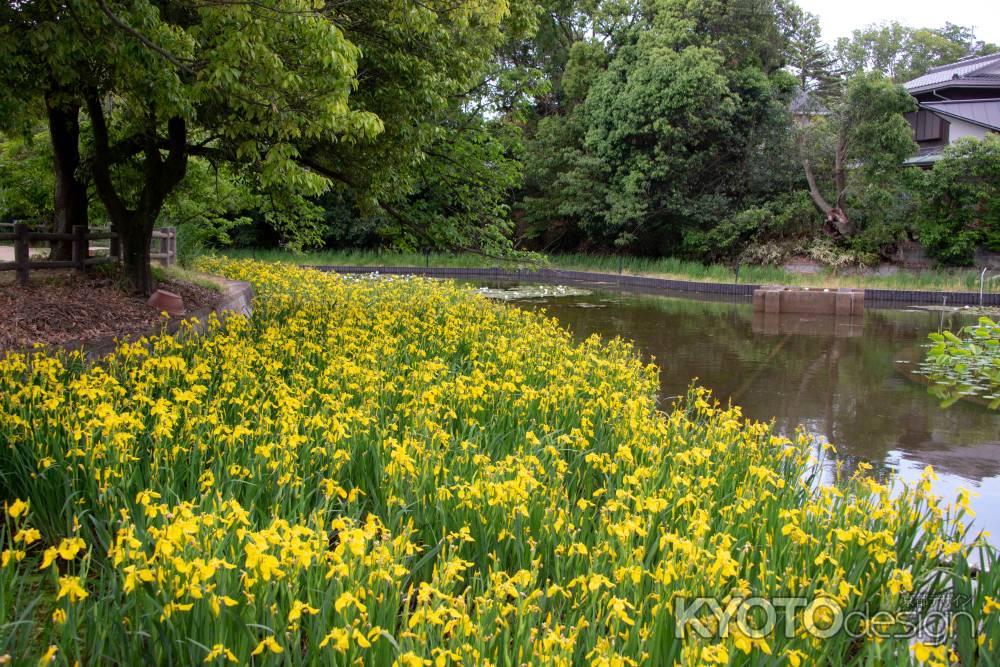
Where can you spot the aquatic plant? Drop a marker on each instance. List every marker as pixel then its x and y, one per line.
pixel 399 471
pixel 531 292
pixel 965 365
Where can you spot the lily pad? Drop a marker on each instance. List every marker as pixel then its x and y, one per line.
pixel 965 365
pixel 531 292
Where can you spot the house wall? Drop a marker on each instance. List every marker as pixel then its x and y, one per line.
pixel 929 129
pixel 960 128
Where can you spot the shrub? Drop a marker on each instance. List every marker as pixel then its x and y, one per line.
pixel 960 201
pixel 763 234
pixel 206 208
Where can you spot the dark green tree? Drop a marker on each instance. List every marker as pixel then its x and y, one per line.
pixel 661 128
pixel 279 89
pixel 746 33
pixel 164 81
pixel 26 175
pixel 41 49
pixel 431 77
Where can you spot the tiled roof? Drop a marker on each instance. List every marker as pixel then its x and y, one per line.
pixel 981 112
pixel 984 70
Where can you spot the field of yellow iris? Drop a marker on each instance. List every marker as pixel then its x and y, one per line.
pixel 398 471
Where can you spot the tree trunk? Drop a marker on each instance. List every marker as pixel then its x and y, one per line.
pixel 135 238
pixel 160 176
pixel 835 216
pixel 839 175
pixel 70 205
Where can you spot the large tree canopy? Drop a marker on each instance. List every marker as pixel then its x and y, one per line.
pixel 663 126
pixel 652 126
pixel 667 127
pixel 439 174
pixel 960 201
pixel 163 81
pixel 297 95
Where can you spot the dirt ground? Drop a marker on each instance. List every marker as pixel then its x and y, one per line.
pixel 67 307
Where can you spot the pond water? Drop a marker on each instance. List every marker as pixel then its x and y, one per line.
pixel 842 380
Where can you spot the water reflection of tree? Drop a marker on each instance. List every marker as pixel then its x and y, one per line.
pixel 844 389
pixel 880 410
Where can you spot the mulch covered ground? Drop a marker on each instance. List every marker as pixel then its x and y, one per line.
pixel 67 307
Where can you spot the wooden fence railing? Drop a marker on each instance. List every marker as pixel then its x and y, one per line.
pixel 163 248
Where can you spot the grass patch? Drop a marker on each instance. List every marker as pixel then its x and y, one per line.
pixel 935 279
pixel 177 273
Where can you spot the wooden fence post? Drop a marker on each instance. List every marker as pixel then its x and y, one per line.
pixel 115 249
pixel 81 247
pixel 173 245
pixel 22 251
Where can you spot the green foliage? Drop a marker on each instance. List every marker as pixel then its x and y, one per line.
pixel 438 172
pixel 259 75
pixel 835 255
pixel 746 33
pixel 652 126
pixel 26 176
pixel 967 364
pixel 959 207
pixel 290 98
pixel 883 205
pixel 586 58
pixel 469 180
pixel 807 56
pixel 763 234
pixel 879 138
pixel 666 126
pixel 666 131
pixel 557 184
pixel 855 154
pixel 650 142
pixel 236 83
pixel 208 205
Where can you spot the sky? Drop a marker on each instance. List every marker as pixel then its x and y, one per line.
pixel 839 17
